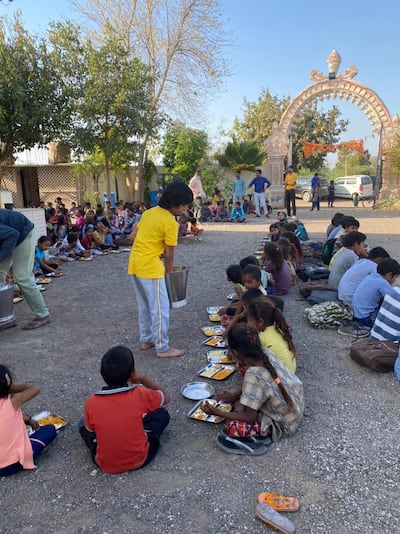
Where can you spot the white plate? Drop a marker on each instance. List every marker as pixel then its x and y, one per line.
pixel 197 391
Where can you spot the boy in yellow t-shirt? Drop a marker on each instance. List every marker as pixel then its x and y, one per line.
pixel 156 235
pixel 290 190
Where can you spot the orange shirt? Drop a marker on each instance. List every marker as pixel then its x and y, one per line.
pixel 116 416
pixel 14 441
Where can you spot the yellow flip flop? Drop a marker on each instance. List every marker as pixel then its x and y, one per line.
pixel 279 502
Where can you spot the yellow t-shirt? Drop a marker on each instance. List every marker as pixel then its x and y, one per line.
pixel 290 181
pixel 156 229
pixel 273 340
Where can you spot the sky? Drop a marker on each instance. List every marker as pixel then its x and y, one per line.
pixel 275 46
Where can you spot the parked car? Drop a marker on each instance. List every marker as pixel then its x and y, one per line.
pixel 350 186
pixel 303 188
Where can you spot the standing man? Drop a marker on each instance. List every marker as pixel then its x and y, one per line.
pixel 289 183
pixel 17 246
pixel 260 184
pixel 154 235
pixel 198 194
pixel 238 189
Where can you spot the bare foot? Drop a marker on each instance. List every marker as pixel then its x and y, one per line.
pixel 146 345
pixel 170 353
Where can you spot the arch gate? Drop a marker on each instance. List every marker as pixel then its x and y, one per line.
pixel 278 145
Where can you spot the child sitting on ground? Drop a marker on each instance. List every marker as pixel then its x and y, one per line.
pixel 234 275
pixel 274 231
pixel 281 278
pixel 70 249
pixel 221 214
pixel 17 450
pixel 267 407
pixel 251 278
pixel 41 264
pixel 252 260
pixel 237 214
pixel 273 330
pixel 194 228
pixel 89 242
pixel 183 225
pixel 124 420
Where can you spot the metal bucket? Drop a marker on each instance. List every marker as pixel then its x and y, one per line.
pixel 6 305
pixel 176 283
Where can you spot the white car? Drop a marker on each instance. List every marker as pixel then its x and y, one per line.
pixel 350 186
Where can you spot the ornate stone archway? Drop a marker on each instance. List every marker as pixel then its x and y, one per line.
pixel 277 146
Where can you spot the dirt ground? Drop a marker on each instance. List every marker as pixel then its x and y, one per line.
pixel 343 463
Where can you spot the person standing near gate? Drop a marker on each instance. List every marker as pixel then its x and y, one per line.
pixel 260 184
pixel 17 246
pixel 238 189
pixel 196 187
pixel 289 183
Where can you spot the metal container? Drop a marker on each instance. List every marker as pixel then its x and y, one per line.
pixel 6 305
pixel 176 283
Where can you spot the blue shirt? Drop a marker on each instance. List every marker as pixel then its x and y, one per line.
pixel 369 295
pixel 237 213
pixel 39 255
pixel 239 187
pixel 259 184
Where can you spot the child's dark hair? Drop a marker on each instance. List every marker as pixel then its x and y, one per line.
pixel 274 226
pixel 388 265
pixel 294 240
pixel 378 252
pixel 290 227
pixel 234 274
pixel 352 238
pixel 248 260
pixel 71 238
pixel 244 339
pixel 337 218
pixel 5 381
pixel 350 221
pixel 251 294
pixel 253 271
pixel 274 254
pixel 264 309
pixel 285 246
pixel 175 194
pixel 43 239
pixel 117 366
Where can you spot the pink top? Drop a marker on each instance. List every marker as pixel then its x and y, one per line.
pixel 14 441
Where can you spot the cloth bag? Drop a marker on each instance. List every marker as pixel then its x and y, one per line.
pixel 376 355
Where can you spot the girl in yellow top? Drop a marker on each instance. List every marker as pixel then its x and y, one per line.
pixel 156 235
pixel 273 330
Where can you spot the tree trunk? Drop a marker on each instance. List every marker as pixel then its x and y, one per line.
pixel 108 177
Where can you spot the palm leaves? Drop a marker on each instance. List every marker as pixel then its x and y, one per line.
pixel 244 156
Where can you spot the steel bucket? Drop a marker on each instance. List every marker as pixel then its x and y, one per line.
pixel 6 305
pixel 176 283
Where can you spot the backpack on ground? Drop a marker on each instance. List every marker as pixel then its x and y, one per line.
pixel 327 250
pixel 376 355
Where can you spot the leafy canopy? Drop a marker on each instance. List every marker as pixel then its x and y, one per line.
pixel 241 156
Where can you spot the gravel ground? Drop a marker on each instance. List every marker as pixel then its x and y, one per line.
pixel 343 463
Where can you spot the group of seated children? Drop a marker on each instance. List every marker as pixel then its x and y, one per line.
pixel 358 278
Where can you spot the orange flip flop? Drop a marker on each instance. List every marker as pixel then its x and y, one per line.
pixel 279 502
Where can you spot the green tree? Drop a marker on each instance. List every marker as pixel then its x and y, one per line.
pixel 393 154
pixel 349 163
pixel 313 126
pixel 109 96
pixel 32 109
pixel 241 156
pixel 310 125
pixel 182 43
pixel 183 149
pixel 258 117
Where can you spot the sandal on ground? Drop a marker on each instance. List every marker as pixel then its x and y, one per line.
pixel 274 519
pixel 240 446
pixel 279 502
pixel 265 440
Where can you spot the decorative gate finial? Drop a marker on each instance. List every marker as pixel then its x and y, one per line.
pixel 334 60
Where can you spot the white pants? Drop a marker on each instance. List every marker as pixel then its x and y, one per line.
pixel 259 198
pixel 153 311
